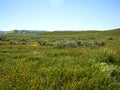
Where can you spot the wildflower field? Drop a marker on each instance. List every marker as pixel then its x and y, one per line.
pixel 88 60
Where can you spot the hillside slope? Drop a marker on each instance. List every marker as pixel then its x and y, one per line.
pixel 113 32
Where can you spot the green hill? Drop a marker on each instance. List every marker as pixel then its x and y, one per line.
pixel 23 31
pixel 113 32
pixel 16 31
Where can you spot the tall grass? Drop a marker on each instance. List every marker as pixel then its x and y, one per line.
pixel 60 61
pixel 46 68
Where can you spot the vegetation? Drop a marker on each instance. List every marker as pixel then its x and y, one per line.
pixel 86 60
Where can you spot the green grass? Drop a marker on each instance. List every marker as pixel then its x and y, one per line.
pixel 31 66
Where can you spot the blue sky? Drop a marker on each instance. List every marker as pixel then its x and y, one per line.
pixel 59 14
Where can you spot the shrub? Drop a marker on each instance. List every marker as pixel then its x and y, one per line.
pixel 86 44
pixel 93 38
pixel 79 43
pixel 110 38
pixel 59 45
pixel 1 43
pixel 42 43
pixel 108 56
pixel 71 44
pixel 96 43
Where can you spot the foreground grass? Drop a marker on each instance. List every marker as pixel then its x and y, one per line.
pixel 25 67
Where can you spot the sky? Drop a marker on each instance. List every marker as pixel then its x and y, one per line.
pixel 59 14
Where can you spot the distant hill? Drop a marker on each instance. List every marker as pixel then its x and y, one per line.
pixel 16 31
pixel 22 31
pixel 1 32
pixel 113 32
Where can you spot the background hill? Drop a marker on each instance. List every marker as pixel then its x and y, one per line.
pixel 114 32
pixel 22 31
pixel 1 32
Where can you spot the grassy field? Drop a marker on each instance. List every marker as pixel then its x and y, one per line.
pixel 87 60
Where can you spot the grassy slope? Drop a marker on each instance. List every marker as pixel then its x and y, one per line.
pixel 115 32
pixel 48 68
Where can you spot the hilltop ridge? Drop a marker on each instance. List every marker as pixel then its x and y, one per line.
pixel 22 31
pixel 107 32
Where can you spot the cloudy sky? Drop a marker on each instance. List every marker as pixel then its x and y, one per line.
pixel 59 14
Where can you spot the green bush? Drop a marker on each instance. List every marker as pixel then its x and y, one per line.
pixel 109 56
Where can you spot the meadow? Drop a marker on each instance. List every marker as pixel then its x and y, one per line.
pixel 68 60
